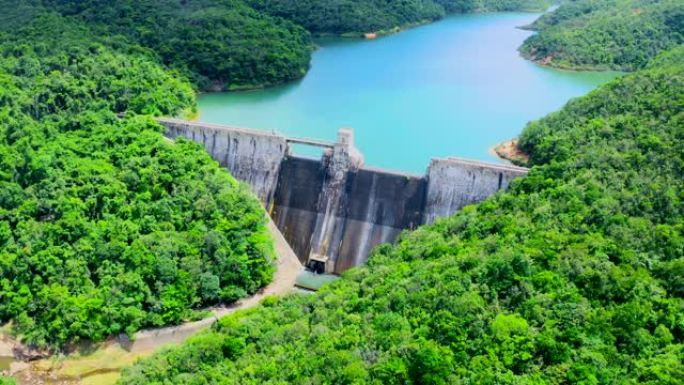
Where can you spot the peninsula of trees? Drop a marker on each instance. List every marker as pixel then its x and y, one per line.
pixel 606 34
pixel 354 17
pixel 239 44
pixel 216 44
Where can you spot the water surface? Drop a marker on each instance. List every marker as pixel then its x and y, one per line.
pixel 453 88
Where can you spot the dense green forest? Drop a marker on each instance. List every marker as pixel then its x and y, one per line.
pixel 573 276
pixel 219 44
pixel 606 34
pixel 105 226
pixel 357 16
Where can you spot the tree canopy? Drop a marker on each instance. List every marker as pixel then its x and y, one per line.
pixel 354 17
pixel 105 226
pixel 218 44
pixel 606 34
pixel 574 275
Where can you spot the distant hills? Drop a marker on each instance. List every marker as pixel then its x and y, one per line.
pixel 606 34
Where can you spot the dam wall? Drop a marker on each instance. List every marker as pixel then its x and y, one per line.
pixel 338 222
pixel 334 210
pixel 454 183
pixel 251 156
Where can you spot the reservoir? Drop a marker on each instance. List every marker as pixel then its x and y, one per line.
pixel 456 87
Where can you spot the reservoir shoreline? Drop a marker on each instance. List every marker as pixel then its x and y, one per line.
pixel 454 87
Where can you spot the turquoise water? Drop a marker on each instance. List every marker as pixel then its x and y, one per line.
pixel 453 88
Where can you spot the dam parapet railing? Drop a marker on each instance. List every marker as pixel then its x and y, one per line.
pixel 334 210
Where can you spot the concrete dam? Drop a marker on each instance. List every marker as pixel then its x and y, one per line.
pixel 334 210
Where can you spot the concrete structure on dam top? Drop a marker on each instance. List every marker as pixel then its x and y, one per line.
pixel 334 210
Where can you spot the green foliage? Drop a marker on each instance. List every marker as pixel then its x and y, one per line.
pixel 358 16
pixel 573 276
pixel 462 6
pixel 7 381
pixel 105 226
pixel 217 44
pixel 672 57
pixel 606 34
pixel 51 55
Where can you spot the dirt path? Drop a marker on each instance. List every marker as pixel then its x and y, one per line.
pixel 283 281
pixel 103 365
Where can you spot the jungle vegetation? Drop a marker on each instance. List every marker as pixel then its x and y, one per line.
pixel 606 34
pixel 218 44
pixel 573 276
pixel 105 226
pixel 354 17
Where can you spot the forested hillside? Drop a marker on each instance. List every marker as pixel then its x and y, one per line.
pixel 218 44
pixel 463 6
pixel 354 17
pixel 606 34
pixel 105 226
pixel 573 276
pixel 669 58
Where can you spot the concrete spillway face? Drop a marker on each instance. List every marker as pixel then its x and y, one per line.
pixel 380 205
pixel 338 163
